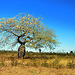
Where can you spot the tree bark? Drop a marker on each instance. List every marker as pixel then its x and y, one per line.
pixel 21 51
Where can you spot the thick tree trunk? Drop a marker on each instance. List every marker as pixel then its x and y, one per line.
pixel 21 51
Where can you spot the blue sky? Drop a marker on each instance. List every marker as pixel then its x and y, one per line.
pixel 58 15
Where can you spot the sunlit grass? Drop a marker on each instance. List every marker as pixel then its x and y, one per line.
pixel 47 61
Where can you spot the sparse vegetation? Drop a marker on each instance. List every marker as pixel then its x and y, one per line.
pixel 36 60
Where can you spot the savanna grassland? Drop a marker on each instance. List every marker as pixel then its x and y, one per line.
pixel 37 63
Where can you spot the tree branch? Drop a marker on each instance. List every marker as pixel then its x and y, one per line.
pixel 9 31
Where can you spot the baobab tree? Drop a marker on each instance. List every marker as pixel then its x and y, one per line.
pixel 27 31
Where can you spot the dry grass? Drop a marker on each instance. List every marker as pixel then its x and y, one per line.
pixel 37 64
pixel 29 70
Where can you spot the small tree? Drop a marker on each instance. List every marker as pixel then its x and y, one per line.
pixel 39 50
pixel 27 31
pixel 71 52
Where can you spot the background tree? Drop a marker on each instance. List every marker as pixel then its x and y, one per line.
pixel 39 50
pixel 71 52
pixel 27 31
